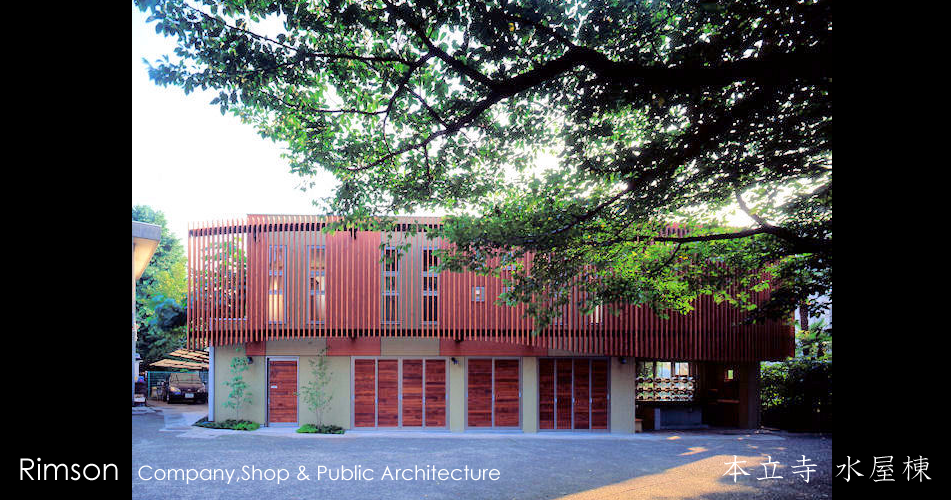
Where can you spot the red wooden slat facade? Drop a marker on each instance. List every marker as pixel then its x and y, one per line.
pixel 271 277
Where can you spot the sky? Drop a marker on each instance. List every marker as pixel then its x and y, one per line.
pixel 196 165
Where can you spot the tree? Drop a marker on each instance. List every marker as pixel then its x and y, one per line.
pixel 656 117
pixel 314 392
pixel 160 293
pixel 240 395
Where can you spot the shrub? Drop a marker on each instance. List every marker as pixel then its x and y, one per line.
pixel 314 393
pixel 240 394
pixel 797 395
pixel 322 429
pixel 238 425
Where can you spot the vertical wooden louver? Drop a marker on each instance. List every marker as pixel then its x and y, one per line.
pixel 249 281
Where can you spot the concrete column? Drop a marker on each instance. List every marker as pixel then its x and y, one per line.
pixel 749 394
pixel 622 396
pixel 211 384
pixel 530 394
pixel 457 395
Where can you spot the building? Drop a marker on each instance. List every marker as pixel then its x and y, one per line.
pixel 145 239
pixel 408 348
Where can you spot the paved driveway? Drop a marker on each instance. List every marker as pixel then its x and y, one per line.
pixel 651 465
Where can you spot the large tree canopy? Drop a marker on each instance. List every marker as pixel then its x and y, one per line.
pixel 609 137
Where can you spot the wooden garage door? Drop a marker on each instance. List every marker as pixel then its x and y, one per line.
pixel 412 393
pixel 493 393
pixel 581 398
pixel 364 393
pixel 282 391
pixel 479 388
pixel 572 393
pixel 388 393
pixel 599 394
pixel 397 393
pixel 546 393
pixel 506 393
pixel 435 402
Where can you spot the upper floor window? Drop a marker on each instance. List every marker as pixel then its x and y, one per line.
pixel 596 315
pixel 227 282
pixel 430 288
pixel 277 282
pixel 316 283
pixel 478 294
pixel 390 288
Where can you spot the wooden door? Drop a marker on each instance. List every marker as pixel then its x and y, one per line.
pixel 581 394
pixel 282 391
pixel 364 393
pixel 599 394
pixel 546 393
pixel 412 393
pixel 479 397
pixel 388 393
pixel 435 393
pixel 563 393
pixel 506 407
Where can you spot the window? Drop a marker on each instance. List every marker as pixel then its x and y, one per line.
pixel 430 288
pixel 391 307
pixel 729 374
pixel 596 315
pixel 317 283
pixel 391 282
pixel 228 290
pixel 478 294
pixel 664 381
pixel 277 281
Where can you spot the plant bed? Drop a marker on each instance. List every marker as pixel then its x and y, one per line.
pixel 237 425
pixel 323 429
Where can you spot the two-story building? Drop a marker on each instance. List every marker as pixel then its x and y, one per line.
pixel 409 348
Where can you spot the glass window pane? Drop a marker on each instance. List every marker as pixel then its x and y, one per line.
pixel 430 308
pixel 276 308
pixel 663 369
pixel 390 308
pixel 276 258
pixel 596 314
pixel 317 261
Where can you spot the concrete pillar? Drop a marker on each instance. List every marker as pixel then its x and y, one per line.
pixel 457 395
pixel 622 396
pixel 211 384
pixel 749 394
pixel 530 394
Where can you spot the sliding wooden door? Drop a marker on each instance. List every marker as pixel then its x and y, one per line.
pixel 395 392
pixel 573 394
pixel 435 399
pixel 493 396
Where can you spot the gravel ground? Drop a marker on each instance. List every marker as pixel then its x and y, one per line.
pixel 650 465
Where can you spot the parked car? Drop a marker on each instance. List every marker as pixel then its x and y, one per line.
pixel 138 397
pixel 186 387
